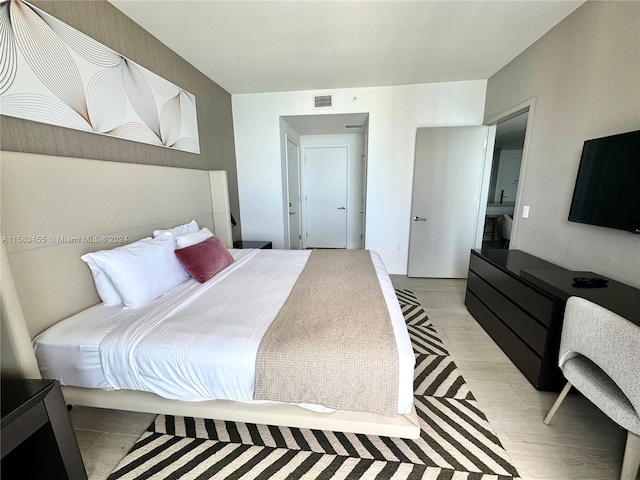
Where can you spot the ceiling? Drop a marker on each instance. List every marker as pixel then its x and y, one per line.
pixel 272 46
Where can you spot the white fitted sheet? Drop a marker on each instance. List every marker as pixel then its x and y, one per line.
pixel 199 341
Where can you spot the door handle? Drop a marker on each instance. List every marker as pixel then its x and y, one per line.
pixel 341 208
pixel 292 213
pixel 419 219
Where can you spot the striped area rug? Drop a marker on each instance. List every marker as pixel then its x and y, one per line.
pixel 456 442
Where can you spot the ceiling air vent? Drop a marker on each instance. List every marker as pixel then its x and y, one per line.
pixel 323 101
pixel 351 126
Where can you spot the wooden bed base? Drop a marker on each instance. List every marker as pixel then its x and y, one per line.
pixel 51 202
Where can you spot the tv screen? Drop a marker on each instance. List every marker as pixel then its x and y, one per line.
pixel 607 191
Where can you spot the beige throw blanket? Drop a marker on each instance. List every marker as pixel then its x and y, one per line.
pixel 332 343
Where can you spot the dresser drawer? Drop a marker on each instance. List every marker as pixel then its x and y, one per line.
pixel 524 326
pixel 529 299
pixel 521 356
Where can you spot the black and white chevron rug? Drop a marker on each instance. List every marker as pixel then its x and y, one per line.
pixel 456 443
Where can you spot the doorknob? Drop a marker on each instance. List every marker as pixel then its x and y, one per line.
pixel 419 219
pixel 341 208
pixel 292 213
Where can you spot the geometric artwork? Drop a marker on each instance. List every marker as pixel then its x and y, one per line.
pixel 52 73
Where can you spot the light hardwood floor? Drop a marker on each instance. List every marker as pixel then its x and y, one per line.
pixel 580 444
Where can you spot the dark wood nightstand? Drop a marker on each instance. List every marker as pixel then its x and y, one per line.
pixel 37 437
pixel 252 244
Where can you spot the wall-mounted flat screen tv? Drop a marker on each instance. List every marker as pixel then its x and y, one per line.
pixel 607 191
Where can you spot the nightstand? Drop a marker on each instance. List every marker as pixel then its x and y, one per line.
pixel 252 244
pixel 37 437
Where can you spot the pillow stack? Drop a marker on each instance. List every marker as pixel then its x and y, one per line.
pixel 142 271
pixel 179 231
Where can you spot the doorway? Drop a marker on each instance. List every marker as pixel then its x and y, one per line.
pixel 326 131
pixel 504 180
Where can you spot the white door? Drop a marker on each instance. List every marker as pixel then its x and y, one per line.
pixel 447 183
pixel 293 189
pixel 325 190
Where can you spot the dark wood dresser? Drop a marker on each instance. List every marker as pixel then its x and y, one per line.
pixel 519 300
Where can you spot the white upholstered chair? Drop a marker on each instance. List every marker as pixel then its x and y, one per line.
pixel 600 356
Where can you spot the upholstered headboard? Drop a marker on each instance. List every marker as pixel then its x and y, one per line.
pixel 54 209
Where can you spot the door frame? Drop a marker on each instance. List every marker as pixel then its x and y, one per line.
pixel 303 192
pixel 492 122
pixel 287 199
pixel 363 202
pixel 287 227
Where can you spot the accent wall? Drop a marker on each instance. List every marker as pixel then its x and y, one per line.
pixel 106 24
pixel 585 77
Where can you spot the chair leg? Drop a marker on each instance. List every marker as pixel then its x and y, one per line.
pixel 631 461
pixel 557 404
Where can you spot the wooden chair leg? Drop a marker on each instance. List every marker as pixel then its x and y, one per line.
pixel 557 404
pixel 631 461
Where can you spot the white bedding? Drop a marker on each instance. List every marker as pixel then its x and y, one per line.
pixel 199 341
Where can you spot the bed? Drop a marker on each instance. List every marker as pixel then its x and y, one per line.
pixel 54 201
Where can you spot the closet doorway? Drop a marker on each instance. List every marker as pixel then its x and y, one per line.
pixel 333 166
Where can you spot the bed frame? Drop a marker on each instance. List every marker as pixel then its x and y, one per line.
pixel 55 209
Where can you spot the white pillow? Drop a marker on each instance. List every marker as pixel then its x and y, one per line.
pixel 143 270
pixel 184 241
pixel 190 227
pixel 107 292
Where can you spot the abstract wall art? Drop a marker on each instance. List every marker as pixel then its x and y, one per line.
pixel 52 73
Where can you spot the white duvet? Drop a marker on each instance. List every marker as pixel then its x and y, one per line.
pixel 199 341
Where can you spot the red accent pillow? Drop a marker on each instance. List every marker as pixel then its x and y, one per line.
pixel 203 260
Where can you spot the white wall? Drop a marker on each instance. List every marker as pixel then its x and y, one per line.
pixel 585 77
pixel 394 115
pixel 355 145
